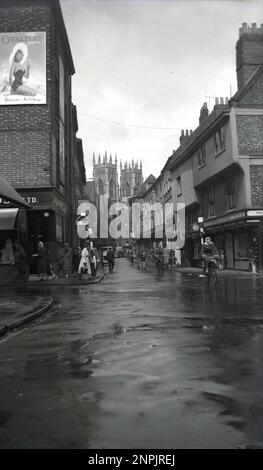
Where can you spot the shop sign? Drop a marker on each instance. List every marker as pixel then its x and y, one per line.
pixel 31 199
pixel 226 219
pixel 256 213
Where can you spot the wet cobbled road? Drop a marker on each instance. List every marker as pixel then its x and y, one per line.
pixel 139 360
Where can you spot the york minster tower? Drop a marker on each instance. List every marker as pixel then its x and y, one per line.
pixel 105 176
pixel 130 179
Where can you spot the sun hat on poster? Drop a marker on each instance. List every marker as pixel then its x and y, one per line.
pixel 20 46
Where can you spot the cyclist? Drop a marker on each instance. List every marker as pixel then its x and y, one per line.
pixel 208 252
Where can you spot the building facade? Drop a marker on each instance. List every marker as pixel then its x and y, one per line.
pixel 218 169
pixel 40 154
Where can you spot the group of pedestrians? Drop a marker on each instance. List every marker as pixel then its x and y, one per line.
pixel 71 262
pixel 162 258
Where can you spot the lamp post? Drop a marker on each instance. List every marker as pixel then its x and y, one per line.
pixel 201 228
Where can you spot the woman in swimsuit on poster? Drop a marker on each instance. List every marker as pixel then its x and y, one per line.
pixel 20 68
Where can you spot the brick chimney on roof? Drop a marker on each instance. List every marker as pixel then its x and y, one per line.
pixel 203 113
pixel 249 52
pixel 184 135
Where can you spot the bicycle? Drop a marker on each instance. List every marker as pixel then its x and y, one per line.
pixel 212 272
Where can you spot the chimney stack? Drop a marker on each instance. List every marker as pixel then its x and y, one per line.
pixel 249 52
pixel 185 134
pixel 203 113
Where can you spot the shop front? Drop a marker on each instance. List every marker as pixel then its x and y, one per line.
pixel 13 226
pixel 239 238
pixel 46 222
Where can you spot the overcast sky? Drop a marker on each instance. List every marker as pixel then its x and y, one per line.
pixel 150 63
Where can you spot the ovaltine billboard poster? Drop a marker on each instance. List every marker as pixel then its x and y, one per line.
pixel 23 68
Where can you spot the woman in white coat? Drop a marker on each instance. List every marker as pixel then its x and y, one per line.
pixel 84 265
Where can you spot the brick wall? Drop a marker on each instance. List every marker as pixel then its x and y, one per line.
pixel 256 180
pixel 25 149
pixel 254 96
pixel 249 54
pixel 250 135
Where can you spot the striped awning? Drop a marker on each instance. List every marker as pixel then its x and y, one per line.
pixel 10 194
pixel 8 219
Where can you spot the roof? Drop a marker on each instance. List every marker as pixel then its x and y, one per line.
pixel 10 194
pixel 250 82
pixel 194 140
pixel 144 187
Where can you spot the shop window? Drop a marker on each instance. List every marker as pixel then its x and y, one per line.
pixel 219 140
pixel 242 245
pixel 201 156
pixel 211 202
pixel 230 192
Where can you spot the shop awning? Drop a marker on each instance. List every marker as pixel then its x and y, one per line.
pixel 8 218
pixel 10 194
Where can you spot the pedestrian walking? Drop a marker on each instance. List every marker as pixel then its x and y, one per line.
pixel 111 259
pixel 7 253
pixel 50 272
pixel 84 265
pixel 21 262
pixel 143 261
pixel 42 261
pixel 166 256
pixel 93 262
pixel 67 260
pixel 60 258
pixel 76 256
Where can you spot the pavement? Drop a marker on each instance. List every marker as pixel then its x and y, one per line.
pixel 150 266
pixel 21 309
pixel 222 274
pixel 34 279
pixel 18 309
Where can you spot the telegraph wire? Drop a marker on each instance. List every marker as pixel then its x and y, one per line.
pixel 122 124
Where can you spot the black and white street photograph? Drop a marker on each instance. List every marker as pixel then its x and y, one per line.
pixel 131 227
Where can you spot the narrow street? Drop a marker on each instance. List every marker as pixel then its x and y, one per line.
pixel 140 360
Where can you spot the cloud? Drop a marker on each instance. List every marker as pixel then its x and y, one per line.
pixel 150 63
